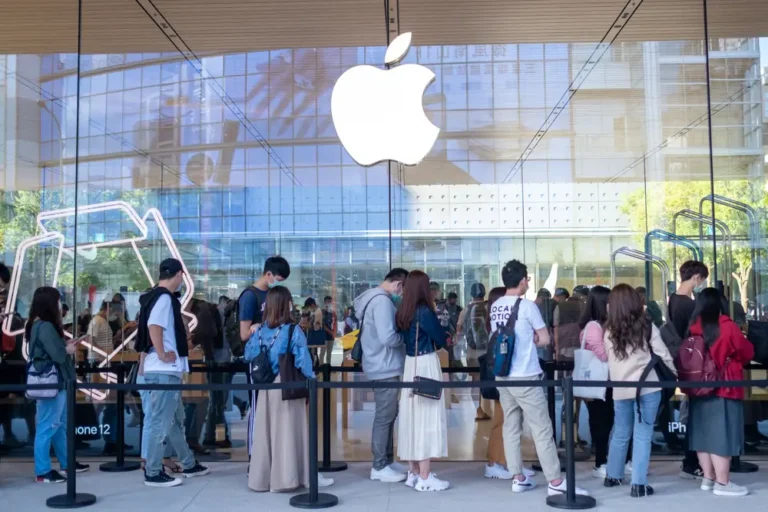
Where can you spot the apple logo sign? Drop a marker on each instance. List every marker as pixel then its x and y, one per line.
pixel 378 114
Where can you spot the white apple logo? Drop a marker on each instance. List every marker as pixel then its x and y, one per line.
pixel 379 114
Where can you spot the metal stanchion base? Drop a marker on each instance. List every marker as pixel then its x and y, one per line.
pixel 63 501
pixel 332 467
pixel 744 467
pixel 323 501
pixel 580 503
pixel 114 467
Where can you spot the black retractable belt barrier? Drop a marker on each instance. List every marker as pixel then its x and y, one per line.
pixel 328 466
pixel 570 500
pixel 313 499
pixel 72 499
pixel 120 465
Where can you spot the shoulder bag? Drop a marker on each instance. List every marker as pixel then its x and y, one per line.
pixel 663 372
pixel 289 372
pixel 433 392
pixel 261 368
pixel 48 375
pixel 587 366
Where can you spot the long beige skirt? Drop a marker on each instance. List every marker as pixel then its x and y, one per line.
pixel 422 431
pixel 279 451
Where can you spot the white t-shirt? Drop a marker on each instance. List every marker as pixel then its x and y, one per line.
pixel 525 359
pixel 162 315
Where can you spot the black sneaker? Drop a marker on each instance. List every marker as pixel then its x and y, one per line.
pixel 79 468
pixel 51 477
pixel 613 482
pixel 691 473
pixel 641 491
pixel 162 479
pixel 196 470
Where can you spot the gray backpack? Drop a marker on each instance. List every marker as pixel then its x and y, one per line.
pixel 475 327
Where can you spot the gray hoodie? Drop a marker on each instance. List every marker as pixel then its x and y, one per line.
pixel 383 347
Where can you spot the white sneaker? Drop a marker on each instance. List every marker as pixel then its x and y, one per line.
pixel 387 475
pixel 628 468
pixel 528 472
pixel 730 489
pixel 527 484
pixel 554 490
pixel 411 480
pixel 398 468
pixel 498 472
pixel 324 481
pixel 707 484
pixel 599 471
pixel 431 484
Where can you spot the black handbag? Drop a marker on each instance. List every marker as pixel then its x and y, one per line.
pixel 289 372
pixel 434 391
pixel 261 368
pixel 489 393
pixel 356 354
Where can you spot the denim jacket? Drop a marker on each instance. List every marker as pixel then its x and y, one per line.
pixel 265 335
pixel 431 337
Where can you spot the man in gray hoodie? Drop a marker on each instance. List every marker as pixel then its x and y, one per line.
pixel 383 361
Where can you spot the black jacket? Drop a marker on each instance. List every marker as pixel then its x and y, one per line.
pixel 147 302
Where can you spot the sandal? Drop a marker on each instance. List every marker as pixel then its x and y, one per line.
pixel 172 467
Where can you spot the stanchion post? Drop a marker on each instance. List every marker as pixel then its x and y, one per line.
pixel 72 499
pixel 551 398
pixel 570 500
pixel 328 466
pixel 314 499
pixel 120 466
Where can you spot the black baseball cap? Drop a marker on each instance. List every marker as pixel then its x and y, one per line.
pixel 581 290
pixel 170 267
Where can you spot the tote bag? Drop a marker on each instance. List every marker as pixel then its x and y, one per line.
pixel 49 375
pixel 587 366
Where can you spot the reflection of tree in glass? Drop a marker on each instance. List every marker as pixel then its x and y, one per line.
pixel 667 198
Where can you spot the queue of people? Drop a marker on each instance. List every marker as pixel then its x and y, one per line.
pixel 401 331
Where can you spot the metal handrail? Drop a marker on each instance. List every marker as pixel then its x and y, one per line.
pixel 754 231
pixel 703 220
pixel 650 259
pixel 666 236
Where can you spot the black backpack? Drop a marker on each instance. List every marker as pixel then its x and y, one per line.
pixel 501 345
pixel 232 322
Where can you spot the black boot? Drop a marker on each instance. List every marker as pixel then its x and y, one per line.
pixel 640 491
pixel 613 482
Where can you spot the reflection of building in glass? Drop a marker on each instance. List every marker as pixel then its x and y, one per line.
pixel 149 124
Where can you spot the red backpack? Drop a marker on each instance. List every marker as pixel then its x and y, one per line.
pixel 694 364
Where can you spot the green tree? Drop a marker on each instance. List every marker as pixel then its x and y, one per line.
pixel 655 208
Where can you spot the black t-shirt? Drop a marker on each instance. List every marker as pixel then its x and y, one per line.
pixel 680 312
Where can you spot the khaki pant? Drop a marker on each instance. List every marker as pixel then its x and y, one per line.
pixel 529 404
pixel 495 452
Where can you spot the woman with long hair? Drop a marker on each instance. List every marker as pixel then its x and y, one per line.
pixel 279 459
pixel 716 423
pixel 630 341
pixel 47 345
pixel 601 412
pixel 422 430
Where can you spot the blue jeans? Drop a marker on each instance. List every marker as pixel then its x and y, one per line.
pixel 144 394
pixel 626 420
pixel 164 424
pixel 51 428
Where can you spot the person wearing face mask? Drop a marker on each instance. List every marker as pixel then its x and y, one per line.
pixel 248 310
pixel 383 361
pixel 162 336
pixel 693 277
